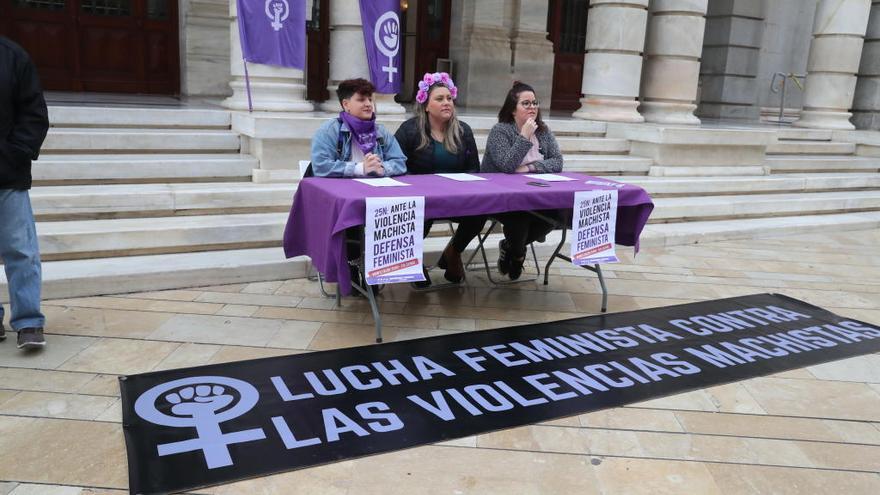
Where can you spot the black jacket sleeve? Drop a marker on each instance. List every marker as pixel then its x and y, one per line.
pixel 24 116
pixel 31 118
pixel 471 155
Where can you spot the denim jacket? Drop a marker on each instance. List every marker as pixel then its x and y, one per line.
pixel 328 162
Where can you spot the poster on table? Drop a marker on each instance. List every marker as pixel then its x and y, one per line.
pixel 393 235
pixel 592 226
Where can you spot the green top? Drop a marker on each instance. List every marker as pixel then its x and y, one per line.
pixel 444 161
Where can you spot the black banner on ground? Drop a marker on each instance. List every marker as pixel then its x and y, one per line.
pixel 194 427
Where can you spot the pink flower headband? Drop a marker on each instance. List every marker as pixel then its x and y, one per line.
pixel 429 80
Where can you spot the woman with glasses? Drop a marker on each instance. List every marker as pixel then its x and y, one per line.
pixel 520 143
pixel 435 141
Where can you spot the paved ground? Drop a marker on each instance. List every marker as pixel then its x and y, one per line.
pixel 813 430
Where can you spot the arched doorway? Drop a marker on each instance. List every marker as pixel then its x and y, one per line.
pixel 120 46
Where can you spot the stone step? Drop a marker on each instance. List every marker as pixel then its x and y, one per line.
pixel 679 186
pixel 56 168
pixel 119 275
pixel 481 124
pixel 104 140
pixel 607 164
pixel 792 147
pixel 573 144
pixel 139 200
pixel 819 163
pixel 121 200
pixel 794 133
pixel 88 277
pixel 132 236
pixel 696 208
pixel 140 117
pixel 671 234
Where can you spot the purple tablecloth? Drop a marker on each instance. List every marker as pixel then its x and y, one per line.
pixel 323 208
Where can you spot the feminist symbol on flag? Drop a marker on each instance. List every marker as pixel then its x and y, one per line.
pixel 386 35
pixel 277 11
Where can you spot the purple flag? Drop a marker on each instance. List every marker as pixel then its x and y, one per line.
pixel 273 32
pixel 382 37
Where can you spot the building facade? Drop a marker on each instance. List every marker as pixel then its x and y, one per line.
pixel 662 61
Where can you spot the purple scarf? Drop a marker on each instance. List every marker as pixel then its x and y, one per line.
pixel 363 132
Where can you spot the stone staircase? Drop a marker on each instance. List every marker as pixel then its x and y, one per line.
pixel 146 199
pixel 815 184
pixel 133 199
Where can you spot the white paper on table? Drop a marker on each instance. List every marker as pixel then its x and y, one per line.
pixel 382 182
pixel 462 177
pixel 550 177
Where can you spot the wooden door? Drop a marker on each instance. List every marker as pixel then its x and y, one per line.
pixel 318 52
pixel 567 28
pixel 125 46
pixel 46 29
pixel 432 35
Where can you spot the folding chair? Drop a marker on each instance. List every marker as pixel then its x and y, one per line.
pixel 481 239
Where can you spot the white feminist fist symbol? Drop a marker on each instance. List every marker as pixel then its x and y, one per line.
pixel 195 403
pixel 386 35
pixel 277 11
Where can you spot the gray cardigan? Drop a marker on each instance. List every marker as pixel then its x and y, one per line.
pixel 506 148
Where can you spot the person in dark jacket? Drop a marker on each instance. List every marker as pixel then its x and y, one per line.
pixel 24 122
pixel 435 141
pixel 521 143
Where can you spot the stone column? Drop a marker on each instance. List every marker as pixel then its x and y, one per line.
pixel 273 89
pixel 866 106
pixel 348 56
pixel 613 63
pixel 204 50
pixel 838 35
pixel 672 61
pixel 479 47
pixel 731 54
pixel 532 51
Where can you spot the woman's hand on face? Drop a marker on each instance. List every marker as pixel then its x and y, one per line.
pixel 528 129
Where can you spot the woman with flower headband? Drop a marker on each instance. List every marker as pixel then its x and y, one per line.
pixel 435 141
pixel 521 143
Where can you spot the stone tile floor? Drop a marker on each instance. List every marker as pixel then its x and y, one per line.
pixel 812 430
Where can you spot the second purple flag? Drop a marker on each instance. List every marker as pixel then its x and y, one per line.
pixel 382 37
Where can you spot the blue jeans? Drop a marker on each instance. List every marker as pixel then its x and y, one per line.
pixel 21 259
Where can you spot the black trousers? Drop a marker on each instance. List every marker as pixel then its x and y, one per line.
pixel 468 228
pixel 521 228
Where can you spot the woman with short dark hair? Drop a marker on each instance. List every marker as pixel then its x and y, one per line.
pixel 353 144
pixel 521 143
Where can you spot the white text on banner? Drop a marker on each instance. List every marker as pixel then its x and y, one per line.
pixel 592 225
pixel 393 235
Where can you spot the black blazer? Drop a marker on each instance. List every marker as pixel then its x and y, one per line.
pixel 24 119
pixel 421 161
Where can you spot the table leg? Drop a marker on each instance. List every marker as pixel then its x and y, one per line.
pixel 554 256
pixel 598 270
